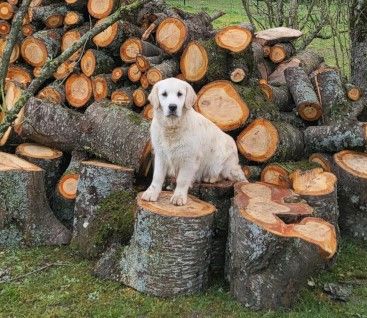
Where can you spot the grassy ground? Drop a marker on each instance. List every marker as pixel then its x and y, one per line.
pixel 69 290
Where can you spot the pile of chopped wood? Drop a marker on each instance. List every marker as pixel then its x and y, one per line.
pixel 79 149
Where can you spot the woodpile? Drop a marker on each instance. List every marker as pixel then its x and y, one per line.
pixel 75 142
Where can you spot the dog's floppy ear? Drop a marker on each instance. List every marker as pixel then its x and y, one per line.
pixel 153 97
pixel 190 96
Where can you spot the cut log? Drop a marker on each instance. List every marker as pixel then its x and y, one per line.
pixel 14 54
pixel 19 73
pixel 336 138
pixel 276 35
pixel 64 70
pixel 115 35
pixel 103 86
pixel 78 90
pixel 122 96
pixel 252 173
pixel 302 91
pixel 235 38
pixel 351 169
pixel 274 245
pixel 281 174
pixel 171 35
pixel 183 257
pixel 144 63
pixel 168 68
pixel 26 218
pixel 101 9
pixel 6 11
pixel 52 16
pixel 93 226
pixel 277 78
pixel 140 97
pixel 50 160
pixel 42 46
pixel 354 93
pixel 281 51
pixel 54 93
pixel 323 160
pixel 241 66
pixel 220 195
pixel 95 62
pixel 72 36
pixel 220 102
pixel 28 29
pixel 133 73
pixel 119 73
pixel 51 125
pixel 102 126
pixel 4 28
pixel 278 95
pixel 132 47
pixel 148 112
pixel 264 66
pixel 144 81
pixel 63 199
pixel 73 19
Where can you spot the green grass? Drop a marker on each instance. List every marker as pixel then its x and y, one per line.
pixel 71 291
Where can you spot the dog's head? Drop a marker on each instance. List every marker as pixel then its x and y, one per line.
pixel 172 97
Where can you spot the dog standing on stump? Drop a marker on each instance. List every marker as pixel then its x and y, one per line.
pixel 187 145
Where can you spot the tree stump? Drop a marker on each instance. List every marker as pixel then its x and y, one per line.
pixel 169 252
pixel 25 216
pixel 351 169
pixel 274 245
pixel 93 217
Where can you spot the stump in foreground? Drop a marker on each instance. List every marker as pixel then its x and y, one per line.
pixel 274 245
pixel 169 252
pixel 25 216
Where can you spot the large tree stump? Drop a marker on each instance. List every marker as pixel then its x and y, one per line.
pixel 351 169
pixel 169 252
pixel 94 218
pixel 50 160
pixel 25 216
pixel 274 245
pixel 264 140
pixel 116 134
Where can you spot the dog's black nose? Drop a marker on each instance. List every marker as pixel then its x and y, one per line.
pixel 172 107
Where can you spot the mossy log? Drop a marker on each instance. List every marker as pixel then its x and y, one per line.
pixel 280 174
pixel 279 142
pixel 95 62
pixel 336 138
pixel 64 195
pixel 116 134
pixel 25 216
pixel 274 246
pixel 350 168
pixel 302 91
pixel 52 161
pixel 98 181
pixel 51 125
pixel 168 265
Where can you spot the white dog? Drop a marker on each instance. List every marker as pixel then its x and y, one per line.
pixel 187 145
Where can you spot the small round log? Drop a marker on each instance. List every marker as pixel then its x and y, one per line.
pixel 101 9
pixel 98 180
pixel 26 217
pixel 302 91
pixel 78 90
pixel 122 96
pixel 73 19
pixel 6 11
pixel 19 73
pixel 168 68
pixel 279 141
pixel 279 95
pixel 252 173
pixel 4 27
pixel 28 29
pixel 281 51
pixel 354 93
pixel 148 112
pixel 144 81
pixel 241 66
pixel 133 47
pixel 133 73
pixel 95 62
pixel 15 54
pixel 220 102
pixel 119 73
pixel 72 36
pixel 52 16
pixel 235 38
pixel 140 97
pixel 103 86
pixel 54 93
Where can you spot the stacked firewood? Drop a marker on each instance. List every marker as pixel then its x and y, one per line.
pixel 83 143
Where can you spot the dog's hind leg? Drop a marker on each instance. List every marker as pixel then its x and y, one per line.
pixel 232 170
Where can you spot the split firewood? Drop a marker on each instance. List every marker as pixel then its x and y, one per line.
pixel 26 216
pixel 183 257
pixel 78 90
pixel 277 35
pixel 42 46
pixel 133 47
pixel 54 93
pixel 350 168
pixel 220 102
pixel 65 192
pixel 103 86
pixel 140 97
pixel 41 120
pixel 102 125
pixel 273 228
pixel 354 93
pixel 119 73
pixel 336 138
pixel 133 73
pixel 323 160
pixel 50 160
pixel 304 96
pixel 52 16
pixel 281 51
pixel 281 174
pixel 123 96
pixel 168 68
pixel 91 234
pixel 278 95
pixel 95 62
pixel 279 141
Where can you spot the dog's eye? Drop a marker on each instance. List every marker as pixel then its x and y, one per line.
pixel 164 94
pixel 179 94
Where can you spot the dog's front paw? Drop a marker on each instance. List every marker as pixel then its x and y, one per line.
pixel 150 195
pixel 179 199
